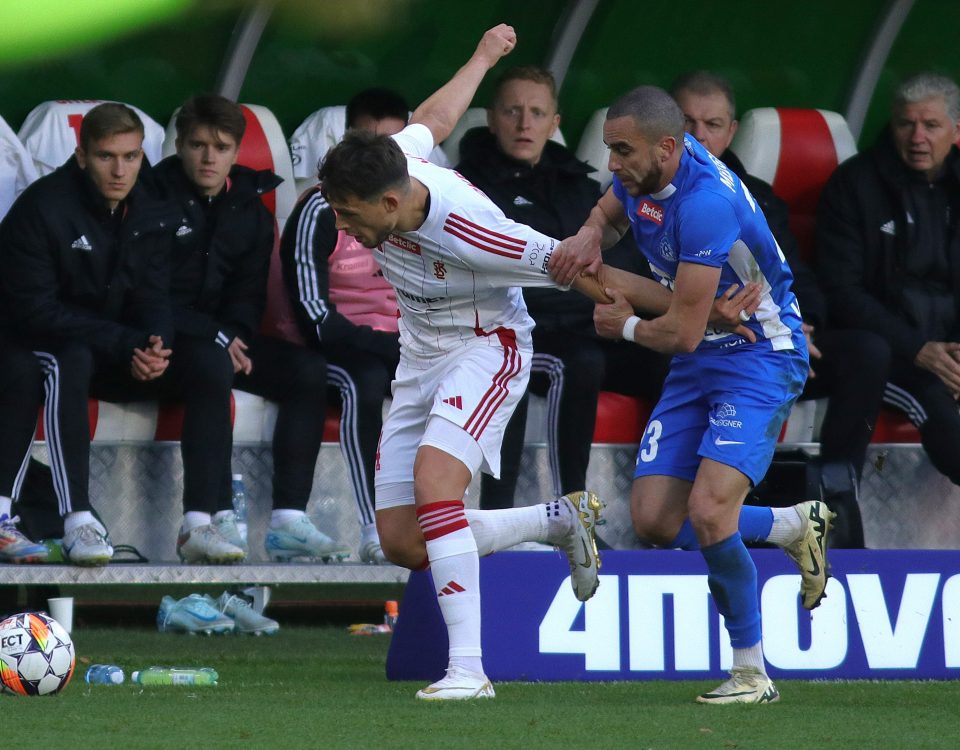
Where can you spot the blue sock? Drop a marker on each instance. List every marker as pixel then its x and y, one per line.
pixel 755 525
pixel 733 582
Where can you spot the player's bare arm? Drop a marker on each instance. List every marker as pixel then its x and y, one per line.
pixel 648 297
pixel 680 328
pixel 442 109
pixel 581 253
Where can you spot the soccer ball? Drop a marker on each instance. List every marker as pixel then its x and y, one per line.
pixel 36 655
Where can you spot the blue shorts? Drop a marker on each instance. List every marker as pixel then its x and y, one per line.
pixel 728 406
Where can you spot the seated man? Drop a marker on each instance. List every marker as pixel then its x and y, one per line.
pixel 887 256
pixel 370 109
pixel 849 367
pixel 84 258
pixel 218 287
pixel 540 183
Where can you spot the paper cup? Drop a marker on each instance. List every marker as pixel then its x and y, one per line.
pixel 61 610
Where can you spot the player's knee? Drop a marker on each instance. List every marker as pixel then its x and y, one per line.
pixel 403 550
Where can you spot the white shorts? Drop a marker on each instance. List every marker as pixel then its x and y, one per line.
pixel 460 405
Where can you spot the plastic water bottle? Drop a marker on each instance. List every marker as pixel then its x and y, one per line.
pixel 104 674
pixel 390 613
pixel 240 506
pixel 176 676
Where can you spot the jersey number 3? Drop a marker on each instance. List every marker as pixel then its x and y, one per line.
pixel 650 437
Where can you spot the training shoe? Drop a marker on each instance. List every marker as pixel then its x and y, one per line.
pixel 15 547
pixel 192 614
pixel 809 552
pixel 226 524
pixel 458 685
pixel 580 544
pixel 371 552
pixel 205 545
pixel 299 538
pixel 87 544
pixel 245 617
pixel 746 685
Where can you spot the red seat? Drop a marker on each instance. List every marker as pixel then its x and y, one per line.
pixel 620 419
pixel 894 427
pixel 796 151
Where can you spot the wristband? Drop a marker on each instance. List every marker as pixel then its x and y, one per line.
pixel 629 325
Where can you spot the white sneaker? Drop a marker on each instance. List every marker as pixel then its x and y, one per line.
pixel 458 685
pixel 226 524
pixel 205 545
pixel 371 552
pixel 299 538
pixel 809 551
pixel 746 685
pixel 580 544
pixel 87 544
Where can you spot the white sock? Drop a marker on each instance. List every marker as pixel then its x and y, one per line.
pixel 787 525
pixel 455 567
pixel 77 518
pixel 751 657
pixel 282 516
pixel 194 518
pixel 221 515
pixel 368 533
pixel 5 506
pixel 495 530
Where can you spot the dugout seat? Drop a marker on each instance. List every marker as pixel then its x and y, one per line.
pixel 317 134
pixel 475 117
pixel 51 132
pixel 16 167
pixel 795 151
pixel 593 150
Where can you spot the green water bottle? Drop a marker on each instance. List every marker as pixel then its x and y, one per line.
pixel 176 676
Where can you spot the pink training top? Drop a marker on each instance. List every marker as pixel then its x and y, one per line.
pixel 358 288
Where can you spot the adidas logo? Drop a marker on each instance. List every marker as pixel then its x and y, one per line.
pixel 454 401
pixel 184 230
pixel 82 243
pixel 521 201
pixel 889 228
pixel 452 587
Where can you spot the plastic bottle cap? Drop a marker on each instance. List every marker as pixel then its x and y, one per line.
pixel 390 607
pixel 135 675
pixel 236 477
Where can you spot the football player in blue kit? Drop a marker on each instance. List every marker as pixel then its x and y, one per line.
pixel 713 432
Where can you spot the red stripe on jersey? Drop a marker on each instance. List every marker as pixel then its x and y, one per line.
pixel 488 232
pixel 489 238
pixel 495 395
pixel 487 248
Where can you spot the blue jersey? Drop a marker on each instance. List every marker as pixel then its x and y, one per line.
pixel 707 216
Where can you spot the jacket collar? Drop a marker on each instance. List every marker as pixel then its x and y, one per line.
pixel 479 149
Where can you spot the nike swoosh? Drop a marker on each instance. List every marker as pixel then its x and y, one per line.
pixel 720 441
pixel 815 570
pixel 586 555
pixel 201 616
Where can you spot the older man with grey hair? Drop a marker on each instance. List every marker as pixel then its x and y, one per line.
pixel 888 249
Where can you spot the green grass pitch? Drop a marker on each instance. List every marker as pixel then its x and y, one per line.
pixel 322 688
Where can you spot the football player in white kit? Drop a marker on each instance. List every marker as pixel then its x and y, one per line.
pixel 457 263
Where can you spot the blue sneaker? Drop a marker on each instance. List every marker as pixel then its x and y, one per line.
pixel 14 545
pixel 192 614
pixel 300 539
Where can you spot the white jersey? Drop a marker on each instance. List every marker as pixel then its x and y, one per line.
pixel 51 132
pixel 458 276
pixel 320 132
pixel 16 168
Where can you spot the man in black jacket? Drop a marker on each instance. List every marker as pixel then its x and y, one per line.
pixel 220 265
pixel 83 271
pixel 847 366
pixel 542 184
pixel 888 248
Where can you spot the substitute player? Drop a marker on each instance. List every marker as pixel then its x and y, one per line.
pixel 713 432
